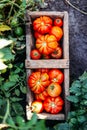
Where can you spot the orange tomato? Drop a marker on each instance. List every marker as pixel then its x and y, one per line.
pixel 57 32
pixel 46 44
pixel 41 96
pixel 42 24
pixel 54 89
pixel 38 81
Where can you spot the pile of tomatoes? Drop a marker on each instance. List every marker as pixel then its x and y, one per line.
pixel 47 33
pixel 46 85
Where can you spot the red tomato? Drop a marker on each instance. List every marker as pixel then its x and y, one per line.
pixel 35 54
pixel 43 70
pixel 38 81
pixel 37 106
pixel 46 44
pixel 42 24
pixel 58 22
pixel 37 34
pixel 57 32
pixel 41 96
pixel 57 53
pixel 54 89
pixel 45 56
pixel 56 75
pixel 53 105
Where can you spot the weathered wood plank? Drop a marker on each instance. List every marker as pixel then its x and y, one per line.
pixel 32 64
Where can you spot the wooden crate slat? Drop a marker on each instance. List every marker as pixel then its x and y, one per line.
pixel 46 115
pixel 63 63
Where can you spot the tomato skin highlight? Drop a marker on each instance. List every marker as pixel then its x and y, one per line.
pixel 37 106
pixel 35 54
pixel 53 105
pixel 58 22
pixel 54 90
pixel 56 75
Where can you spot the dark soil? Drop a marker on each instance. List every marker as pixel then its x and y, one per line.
pixel 77 33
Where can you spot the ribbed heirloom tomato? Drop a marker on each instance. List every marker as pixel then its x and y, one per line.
pixel 38 81
pixel 42 24
pixel 41 96
pixel 56 75
pixel 53 105
pixel 54 90
pixel 46 44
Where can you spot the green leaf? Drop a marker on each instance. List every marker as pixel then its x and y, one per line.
pixel 75 87
pixel 14 77
pixel 17 92
pixel 81 119
pixel 85 96
pixel 20 121
pixel 15 99
pixel 83 76
pixel 23 89
pixel 18 109
pixel 8 85
pixel 73 99
pixel 62 126
pixel 40 125
pixel 6 54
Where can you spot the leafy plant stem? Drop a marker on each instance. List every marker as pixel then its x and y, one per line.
pixel 7 112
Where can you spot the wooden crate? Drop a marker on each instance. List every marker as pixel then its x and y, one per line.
pixel 62 64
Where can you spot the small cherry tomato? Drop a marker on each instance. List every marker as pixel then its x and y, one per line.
pixel 37 106
pixel 57 53
pixel 58 22
pixel 35 54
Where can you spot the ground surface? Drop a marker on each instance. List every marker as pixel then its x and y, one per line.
pixel 77 33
